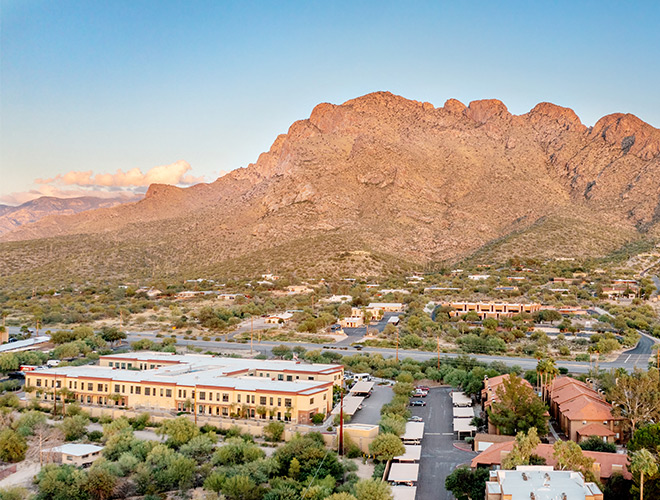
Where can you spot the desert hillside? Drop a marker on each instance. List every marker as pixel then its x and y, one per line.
pixel 401 180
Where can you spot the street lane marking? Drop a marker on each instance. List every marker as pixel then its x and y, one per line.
pixel 627 358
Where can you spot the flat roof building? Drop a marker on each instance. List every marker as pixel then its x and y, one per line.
pixel 207 385
pixel 539 482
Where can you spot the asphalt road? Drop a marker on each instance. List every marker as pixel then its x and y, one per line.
pixel 639 355
pixel 439 456
pixel 370 412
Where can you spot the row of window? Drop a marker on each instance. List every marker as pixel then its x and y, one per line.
pixel 182 393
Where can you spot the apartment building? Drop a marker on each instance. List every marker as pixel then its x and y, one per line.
pixel 495 310
pixel 582 412
pixel 212 386
pixel 540 482
pixel 489 395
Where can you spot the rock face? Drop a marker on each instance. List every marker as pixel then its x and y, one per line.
pixel 12 218
pixel 405 178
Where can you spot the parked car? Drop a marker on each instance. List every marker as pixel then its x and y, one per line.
pixel 417 402
pixel 415 418
pixel 420 394
pixel 422 388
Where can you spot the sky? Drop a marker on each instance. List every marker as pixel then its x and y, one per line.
pixel 105 97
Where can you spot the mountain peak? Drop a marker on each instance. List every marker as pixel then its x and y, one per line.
pixel 487 109
pixel 630 133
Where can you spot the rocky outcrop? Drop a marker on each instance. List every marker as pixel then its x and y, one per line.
pixel 402 177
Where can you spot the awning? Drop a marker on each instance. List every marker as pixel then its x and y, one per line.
pixel 362 387
pixel 412 454
pixel 414 432
pixel 351 404
pixel 404 492
pixel 460 399
pixel 463 425
pixel 403 473
pixel 463 412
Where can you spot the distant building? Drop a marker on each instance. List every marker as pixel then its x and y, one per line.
pixel 79 455
pixel 478 277
pixel 386 306
pixel 276 319
pixel 495 310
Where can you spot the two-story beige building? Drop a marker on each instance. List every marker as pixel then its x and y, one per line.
pixel 209 385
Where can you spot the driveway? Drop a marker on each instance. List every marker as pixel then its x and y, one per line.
pixel 439 456
pixel 370 413
pixel 356 334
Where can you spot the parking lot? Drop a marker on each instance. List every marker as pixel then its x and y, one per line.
pixel 370 412
pixel 439 456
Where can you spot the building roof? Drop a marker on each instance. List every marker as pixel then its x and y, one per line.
pixel 384 304
pixel 541 483
pixel 489 392
pixel 463 425
pixel 77 449
pixel 595 429
pixel 23 344
pixel 587 408
pixel 459 398
pixel 351 405
pixel 606 461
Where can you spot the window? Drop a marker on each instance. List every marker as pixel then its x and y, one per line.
pixel 110 364
pixel 238 398
pixel 279 401
pixel 130 365
pixel 116 387
pixel 217 396
pixel 168 393
pixel 311 401
pixel 138 389
pixel 161 393
pixel 99 387
pixel 310 378
pixel 59 384
pixel 123 366
pixel 225 412
pixel 202 395
pixel 147 391
pixel 289 378
pixel 280 376
pixel 123 389
pixel 179 392
pixel 38 382
pixel 262 400
pixel 271 401
pixel 287 402
pixel 225 397
pixel 75 385
pixel 325 396
pixel 253 398
pixel 90 386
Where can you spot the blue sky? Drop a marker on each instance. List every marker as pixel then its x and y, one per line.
pixel 103 86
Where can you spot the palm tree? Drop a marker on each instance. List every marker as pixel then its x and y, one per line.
pixel 547 371
pixel 644 462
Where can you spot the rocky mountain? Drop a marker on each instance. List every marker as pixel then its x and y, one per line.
pixel 382 177
pixel 12 218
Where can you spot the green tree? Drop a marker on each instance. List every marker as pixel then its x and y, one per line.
pixel 100 483
pixel 643 462
pixel 274 431
pixel 74 427
pixel 523 449
pixel 386 447
pixel 467 484
pixel 12 446
pixel 373 489
pixel 394 424
pixel 63 482
pixel 9 362
pixel 518 408
pixel 281 351
pixel 636 398
pixel 179 430
pixel 569 456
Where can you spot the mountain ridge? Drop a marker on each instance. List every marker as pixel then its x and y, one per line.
pixel 404 178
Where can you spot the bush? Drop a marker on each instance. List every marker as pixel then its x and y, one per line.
pixel 95 436
pixel 318 418
pixel 274 431
pixel 594 443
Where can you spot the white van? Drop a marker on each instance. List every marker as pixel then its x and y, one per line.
pixel 51 363
pixel 359 377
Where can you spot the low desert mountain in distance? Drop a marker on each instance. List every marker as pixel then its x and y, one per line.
pixel 375 183
pixel 12 217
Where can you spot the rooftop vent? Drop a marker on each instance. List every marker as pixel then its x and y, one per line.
pixel 524 476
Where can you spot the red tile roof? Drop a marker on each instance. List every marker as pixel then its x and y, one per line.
pixel 606 461
pixel 595 430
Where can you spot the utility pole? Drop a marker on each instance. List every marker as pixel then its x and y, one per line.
pixel 340 449
pixel 438 352
pixel 397 344
pixel 251 332
pixel 195 405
